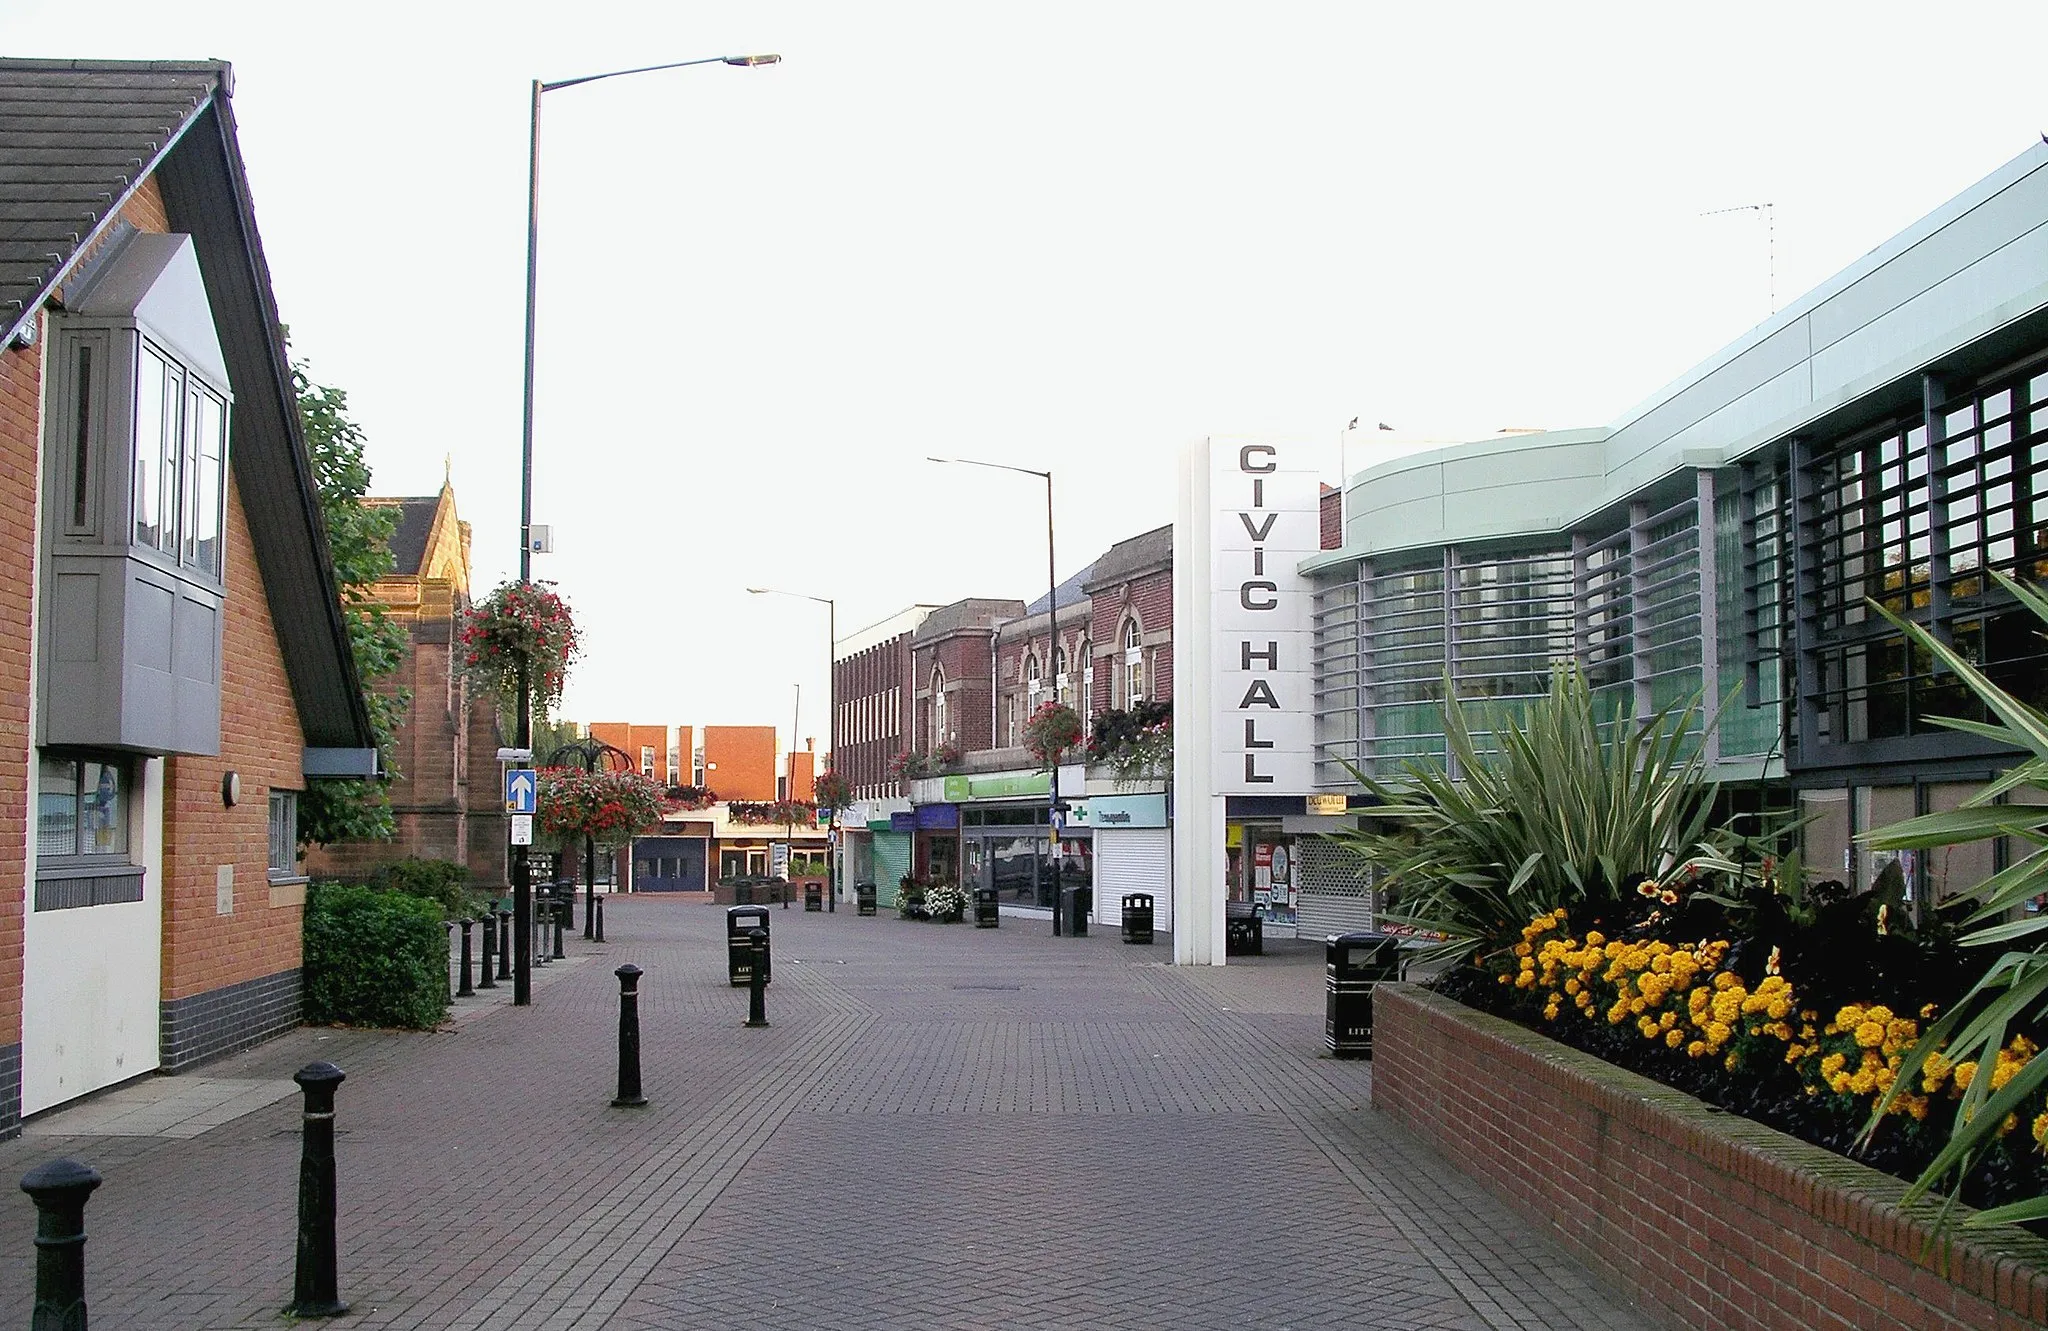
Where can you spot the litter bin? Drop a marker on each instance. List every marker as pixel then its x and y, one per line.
pixel 565 904
pixel 1244 931
pixel 739 947
pixel 1137 917
pixel 743 892
pixel 1076 902
pixel 987 908
pixel 814 897
pixel 1352 965
pixel 864 898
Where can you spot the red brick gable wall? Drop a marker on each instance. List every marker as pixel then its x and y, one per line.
pixel 21 371
pixel 260 739
pixel 965 659
pixel 1150 598
pixel 1333 518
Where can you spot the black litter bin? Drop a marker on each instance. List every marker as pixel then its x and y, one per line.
pixel 1353 964
pixel 1137 908
pixel 987 908
pixel 864 898
pixel 739 948
pixel 565 904
pixel 1244 931
pixel 1076 902
pixel 814 897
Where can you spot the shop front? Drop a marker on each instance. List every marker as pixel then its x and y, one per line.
pixel 1133 853
pixel 1006 841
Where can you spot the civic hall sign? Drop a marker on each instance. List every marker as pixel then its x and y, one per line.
pixel 1243 682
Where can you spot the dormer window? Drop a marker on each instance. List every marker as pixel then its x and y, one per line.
pixel 137 431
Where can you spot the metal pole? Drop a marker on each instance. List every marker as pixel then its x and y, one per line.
pixel 464 990
pixel 832 750
pixel 590 760
pixel 315 1291
pixel 1052 778
pixel 757 978
pixel 502 921
pixel 60 1190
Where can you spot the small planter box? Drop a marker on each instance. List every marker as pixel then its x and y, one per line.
pixel 1705 1218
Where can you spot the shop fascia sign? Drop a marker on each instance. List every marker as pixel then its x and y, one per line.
pixel 1114 811
pixel 960 789
pixel 1265 519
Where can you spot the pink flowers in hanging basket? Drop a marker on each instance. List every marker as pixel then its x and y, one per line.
pixel 520 622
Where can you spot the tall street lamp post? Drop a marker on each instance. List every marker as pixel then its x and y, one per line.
pixel 1052 614
pixel 831 732
pixel 522 886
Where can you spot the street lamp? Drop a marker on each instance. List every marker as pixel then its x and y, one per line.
pixel 1052 614
pixel 831 724
pixel 522 888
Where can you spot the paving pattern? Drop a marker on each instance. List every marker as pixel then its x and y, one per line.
pixel 942 1127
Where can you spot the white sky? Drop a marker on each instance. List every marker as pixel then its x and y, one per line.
pixel 1065 235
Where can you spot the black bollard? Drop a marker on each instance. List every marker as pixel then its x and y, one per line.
pixel 558 910
pixel 629 1096
pixel 60 1190
pixel 757 978
pixel 504 918
pixel 464 990
pixel 600 920
pixel 314 1289
pixel 542 953
pixel 484 980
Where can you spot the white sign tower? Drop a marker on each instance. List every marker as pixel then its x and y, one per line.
pixel 1243 678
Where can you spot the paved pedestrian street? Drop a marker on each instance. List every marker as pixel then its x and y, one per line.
pixel 941 1127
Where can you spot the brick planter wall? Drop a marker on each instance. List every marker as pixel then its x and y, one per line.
pixel 1706 1219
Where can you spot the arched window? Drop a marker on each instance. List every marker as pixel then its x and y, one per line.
pixel 1132 668
pixel 937 729
pixel 1087 703
pixel 1062 678
pixel 1034 678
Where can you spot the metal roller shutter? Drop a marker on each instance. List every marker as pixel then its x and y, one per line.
pixel 1136 859
pixel 1336 890
pixel 892 861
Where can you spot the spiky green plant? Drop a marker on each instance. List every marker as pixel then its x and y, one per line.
pixel 1576 806
pixel 2014 993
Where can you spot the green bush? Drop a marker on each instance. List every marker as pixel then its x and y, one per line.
pixel 374 958
pixel 442 881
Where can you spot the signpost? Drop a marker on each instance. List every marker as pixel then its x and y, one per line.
pixel 522 791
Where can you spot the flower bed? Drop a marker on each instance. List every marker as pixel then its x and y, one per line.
pixel 1707 1219
pixel 1682 1013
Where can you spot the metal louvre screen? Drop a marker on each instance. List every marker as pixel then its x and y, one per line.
pixel 1336 890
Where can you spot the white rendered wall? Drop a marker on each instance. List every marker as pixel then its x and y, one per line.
pixel 1198 859
pixel 92 976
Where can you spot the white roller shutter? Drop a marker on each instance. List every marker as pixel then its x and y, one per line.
pixel 1133 859
pixel 1336 890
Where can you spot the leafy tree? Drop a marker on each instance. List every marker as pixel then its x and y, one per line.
pixel 359 543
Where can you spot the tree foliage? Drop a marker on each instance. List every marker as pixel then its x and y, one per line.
pixel 359 545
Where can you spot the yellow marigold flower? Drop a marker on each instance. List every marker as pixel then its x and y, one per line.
pixel 1928 1011
pixel 1870 1035
pixel 2004 1072
pixel 1695 1048
pixel 2041 1129
pixel 1507 979
pixel 1522 949
pixel 1849 1018
pixel 1778 1010
pixel 1595 939
pixel 1964 1074
pixel 1673 1039
pixel 2010 1123
pixel 1879 1013
pixel 1832 1064
pixel 1718 1032
pixel 1729 1062
pixel 1864 1082
pixel 1571 986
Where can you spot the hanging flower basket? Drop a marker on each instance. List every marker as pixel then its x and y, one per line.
pixel 608 807
pixel 832 790
pixel 1052 730
pixel 520 622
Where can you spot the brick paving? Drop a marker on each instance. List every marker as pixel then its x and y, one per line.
pixel 943 1127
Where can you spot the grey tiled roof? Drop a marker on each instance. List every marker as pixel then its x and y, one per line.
pixel 1152 549
pixel 76 137
pixel 415 524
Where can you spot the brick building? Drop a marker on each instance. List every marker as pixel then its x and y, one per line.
pixel 650 750
pixel 872 688
pixel 174 666
pixel 445 799
pixel 951 660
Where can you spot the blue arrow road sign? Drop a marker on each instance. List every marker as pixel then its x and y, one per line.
pixel 521 787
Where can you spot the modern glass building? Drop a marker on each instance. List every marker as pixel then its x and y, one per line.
pixel 1881 441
